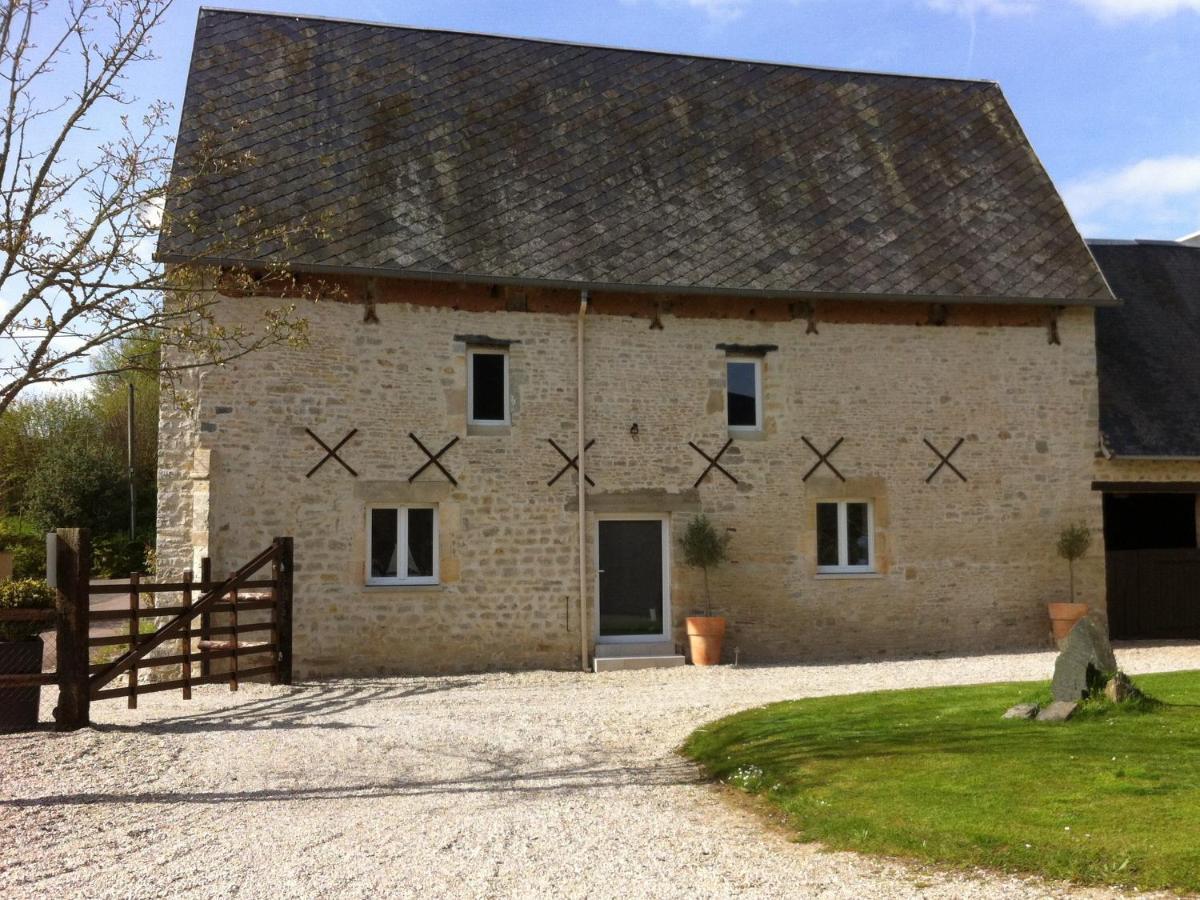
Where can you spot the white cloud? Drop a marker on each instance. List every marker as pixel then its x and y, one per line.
pixel 726 11
pixel 1134 9
pixel 1110 10
pixel 718 11
pixel 1162 193
pixel 995 7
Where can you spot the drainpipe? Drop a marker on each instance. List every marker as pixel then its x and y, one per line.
pixel 583 616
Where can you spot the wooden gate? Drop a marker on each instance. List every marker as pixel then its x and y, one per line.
pixel 204 627
pixel 1154 594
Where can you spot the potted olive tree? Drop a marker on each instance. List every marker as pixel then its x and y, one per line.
pixel 1073 543
pixel 21 651
pixel 705 548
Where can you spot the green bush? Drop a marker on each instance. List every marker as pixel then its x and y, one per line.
pixel 115 556
pixel 27 593
pixel 27 546
pixel 704 548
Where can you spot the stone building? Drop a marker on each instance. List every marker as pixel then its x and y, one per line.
pixel 1149 471
pixel 843 314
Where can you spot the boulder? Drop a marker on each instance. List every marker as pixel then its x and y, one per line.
pixel 1120 688
pixel 1022 711
pixel 1058 711
pixel 1086 648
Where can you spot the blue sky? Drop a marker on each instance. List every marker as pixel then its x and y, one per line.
pixel 1108 90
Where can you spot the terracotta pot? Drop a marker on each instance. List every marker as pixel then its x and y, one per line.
pixel 1063 617
pixel 19 705
pixel 705 634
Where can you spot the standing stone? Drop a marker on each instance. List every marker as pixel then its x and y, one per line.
pixel 1086 647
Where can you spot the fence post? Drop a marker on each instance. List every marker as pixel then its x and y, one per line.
pixel 205 621
pixel 73 572
pixel 283 611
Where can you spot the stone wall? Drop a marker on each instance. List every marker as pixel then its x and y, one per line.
pixel 962 566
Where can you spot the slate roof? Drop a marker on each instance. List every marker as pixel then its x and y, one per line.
pixel 463 156
pixel 1148 349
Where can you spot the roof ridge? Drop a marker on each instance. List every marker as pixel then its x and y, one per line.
pixel 566 43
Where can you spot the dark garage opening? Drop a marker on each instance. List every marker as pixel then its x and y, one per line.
pixel 1149 521
pixel 1153 565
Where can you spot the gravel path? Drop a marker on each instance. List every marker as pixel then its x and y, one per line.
pixel 526 785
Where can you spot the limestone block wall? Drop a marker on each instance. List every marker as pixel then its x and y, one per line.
pixel 963 566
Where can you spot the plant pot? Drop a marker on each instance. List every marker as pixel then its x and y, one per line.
pixel 1063 617
pixel 19 705
pixel 705 634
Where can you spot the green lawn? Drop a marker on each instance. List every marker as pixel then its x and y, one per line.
pixel 1112 796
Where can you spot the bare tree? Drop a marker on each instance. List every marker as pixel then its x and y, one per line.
pixel 79 220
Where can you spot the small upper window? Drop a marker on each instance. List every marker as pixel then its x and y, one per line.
pixel 487 387
pixel 743 388
pixel 845 537
pixel 403 545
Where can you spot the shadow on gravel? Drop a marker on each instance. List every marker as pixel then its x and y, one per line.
pixel 308 706
pixel 500 779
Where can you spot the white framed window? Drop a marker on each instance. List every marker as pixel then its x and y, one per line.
pixel 402 545
pixel 743 394
pixel 845 536
pixel 487 386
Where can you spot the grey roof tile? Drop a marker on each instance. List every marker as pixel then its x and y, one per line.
pixel 1147 349
pixel 473 155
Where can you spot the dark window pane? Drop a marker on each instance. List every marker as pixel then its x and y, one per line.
pixel 420 543
pixel 383 543
pixel 827 534
pixel 487 387
pixel 743 407
pixel 857 540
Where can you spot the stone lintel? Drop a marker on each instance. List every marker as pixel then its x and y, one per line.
pixel 401 492
pixel 639 501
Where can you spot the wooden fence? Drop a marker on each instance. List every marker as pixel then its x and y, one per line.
pixel 221 609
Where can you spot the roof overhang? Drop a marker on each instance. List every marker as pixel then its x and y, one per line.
pixel 1147 487
pixel 624 288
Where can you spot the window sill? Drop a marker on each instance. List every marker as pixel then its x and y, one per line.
pixel 836 576
pixel 402 588
pixel 474 430
pixel 747 434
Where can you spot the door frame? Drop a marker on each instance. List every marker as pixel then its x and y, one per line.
pixel 665 519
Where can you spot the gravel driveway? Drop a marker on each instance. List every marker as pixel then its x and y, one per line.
pixel 532 784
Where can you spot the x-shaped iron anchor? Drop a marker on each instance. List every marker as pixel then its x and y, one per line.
pixel 713 462
pixel 822 458
pixel 945 460
pixel 433 459
pixel 331 453
pixel 571 462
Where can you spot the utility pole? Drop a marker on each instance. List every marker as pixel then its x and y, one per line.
pixel 129 454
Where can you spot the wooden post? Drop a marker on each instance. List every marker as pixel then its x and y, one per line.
pixel 73 572
pixel 205 621
pixel 134 631
pixel 233 660
pixel 283 613
pixel 187 636
pixel 275 591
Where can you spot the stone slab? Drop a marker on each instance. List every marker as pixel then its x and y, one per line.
pixel 627 663
pixel 1058 711
pixel 1021 711
pixel 655 648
